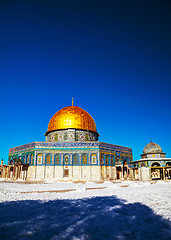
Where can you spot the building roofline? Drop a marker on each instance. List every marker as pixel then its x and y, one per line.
pixel 152 159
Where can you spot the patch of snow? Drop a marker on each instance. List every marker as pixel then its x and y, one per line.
pixel 108 210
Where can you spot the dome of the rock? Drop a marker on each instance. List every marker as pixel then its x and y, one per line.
pixel 71 117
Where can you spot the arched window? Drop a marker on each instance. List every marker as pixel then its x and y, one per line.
pixel 66 159
pixel 39 158
pixel 125 162
pixel 117 159
pixel 112 161
pixel 65 136
pixel 107 160
pixel 32 162
pixel 85 158
pixel 86 137
pixel 28 159
pixel 56 137
pixel 94 159
pixel 48 159
pixel 168 164
pixel 155 164
pixel 101 159
pixel 57 159
pixel 76 138
pixel 75 159
pixel 24 159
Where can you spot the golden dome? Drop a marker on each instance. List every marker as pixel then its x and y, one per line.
pixel 71 117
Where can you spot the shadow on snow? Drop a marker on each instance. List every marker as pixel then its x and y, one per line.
pixel 92 218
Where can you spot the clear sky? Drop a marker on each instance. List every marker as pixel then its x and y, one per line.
pixel 113 57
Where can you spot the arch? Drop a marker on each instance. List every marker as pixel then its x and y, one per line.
pixel 125 168
pixel 168 164
pixel 125 162
pixel 86 136
pixel 56 137
pixel 65 136
pixel 85 159
pixel 112 160
pixel 66 159
pixel 155 164
pixel 24 159
pixel 57 159
pixel 117 159
pixel 142 164
pixel 75 159
pixel 11 162
pixel 102 159
pixel 48 159
pixel 28 159
pixel 130 159
pixel 134 165
pixel 31 159
pixel 107 160
pixel 39 158
pixel 93 158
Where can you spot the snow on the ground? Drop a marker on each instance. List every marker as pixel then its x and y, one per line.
pixel 66 210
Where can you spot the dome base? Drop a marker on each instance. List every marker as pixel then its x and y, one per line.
pixel 71 135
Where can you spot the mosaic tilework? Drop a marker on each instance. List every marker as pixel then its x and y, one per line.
pixel 51 153
pixel 70 135
pixel 19 148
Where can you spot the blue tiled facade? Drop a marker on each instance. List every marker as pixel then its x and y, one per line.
pixel 45 153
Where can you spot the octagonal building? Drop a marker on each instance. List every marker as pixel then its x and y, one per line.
pixel 70 152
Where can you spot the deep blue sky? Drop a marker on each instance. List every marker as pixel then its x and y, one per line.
pixel 113 57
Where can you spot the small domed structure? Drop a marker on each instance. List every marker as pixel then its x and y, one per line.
pixel 152 148
pixel 153 164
